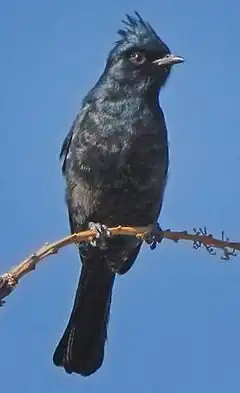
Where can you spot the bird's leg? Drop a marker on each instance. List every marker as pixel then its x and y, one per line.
pixel 102 234
pixel 154 236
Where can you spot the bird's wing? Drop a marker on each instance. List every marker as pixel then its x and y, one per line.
pixel 92 156
pixel 67 141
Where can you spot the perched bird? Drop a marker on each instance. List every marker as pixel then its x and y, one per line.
pixel 115 162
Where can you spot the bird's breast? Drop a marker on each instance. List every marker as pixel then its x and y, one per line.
pixel 119 166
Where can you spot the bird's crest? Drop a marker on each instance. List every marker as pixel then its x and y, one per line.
pixel 135 26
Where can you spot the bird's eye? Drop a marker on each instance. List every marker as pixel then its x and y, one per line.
pixel 137 57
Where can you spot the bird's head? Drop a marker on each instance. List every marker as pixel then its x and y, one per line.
pixel 140 58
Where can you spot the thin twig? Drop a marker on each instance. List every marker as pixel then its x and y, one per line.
pixel 9 280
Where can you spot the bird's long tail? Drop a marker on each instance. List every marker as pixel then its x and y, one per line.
pixel 81 349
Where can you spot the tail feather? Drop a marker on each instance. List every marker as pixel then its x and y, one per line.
pixel 81 349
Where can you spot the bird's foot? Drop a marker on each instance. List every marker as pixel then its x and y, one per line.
pixel 154 236
pixel 102 234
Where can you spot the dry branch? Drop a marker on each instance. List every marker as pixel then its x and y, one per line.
pixel 9 280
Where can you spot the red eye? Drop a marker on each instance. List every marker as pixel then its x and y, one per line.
pixel 137 58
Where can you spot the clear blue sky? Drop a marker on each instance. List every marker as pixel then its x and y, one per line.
pixel 175 318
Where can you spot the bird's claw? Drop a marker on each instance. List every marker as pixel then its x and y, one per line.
pixel 154 236
pixel 102 234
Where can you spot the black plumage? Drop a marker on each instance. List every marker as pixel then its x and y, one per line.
pixel 115 162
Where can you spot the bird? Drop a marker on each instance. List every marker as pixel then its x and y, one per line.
pixel 115 162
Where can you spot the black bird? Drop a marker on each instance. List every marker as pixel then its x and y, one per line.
pixel 115 162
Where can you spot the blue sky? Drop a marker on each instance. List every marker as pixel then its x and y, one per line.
pixel 175 318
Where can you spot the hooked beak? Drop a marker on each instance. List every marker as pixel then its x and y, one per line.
pixel 169 60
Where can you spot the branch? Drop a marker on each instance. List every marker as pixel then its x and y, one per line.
pixel 9 280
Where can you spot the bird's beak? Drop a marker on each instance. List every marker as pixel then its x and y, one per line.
pixel 168 60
